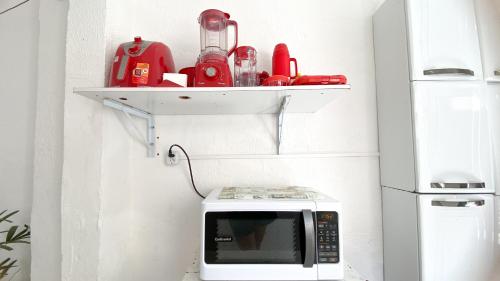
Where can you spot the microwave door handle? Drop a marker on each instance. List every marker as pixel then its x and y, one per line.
pixel 310 250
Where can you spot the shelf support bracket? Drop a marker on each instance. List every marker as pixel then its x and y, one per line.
pixel 281 121
pixel 150 141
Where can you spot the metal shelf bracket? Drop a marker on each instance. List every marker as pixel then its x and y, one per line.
pixel 281 121
pixel 150 140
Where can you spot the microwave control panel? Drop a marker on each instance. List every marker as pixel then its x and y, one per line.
pixel 327 239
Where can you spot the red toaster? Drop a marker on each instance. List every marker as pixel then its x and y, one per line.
pixel 141 64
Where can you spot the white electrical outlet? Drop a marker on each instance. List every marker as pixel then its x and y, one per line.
pixel 171 161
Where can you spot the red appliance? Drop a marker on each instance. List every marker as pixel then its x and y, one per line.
pixel 190 72
pixel 320 80
pixel 277 80
pixel 142 64
pixel 212 67
pixel 282 60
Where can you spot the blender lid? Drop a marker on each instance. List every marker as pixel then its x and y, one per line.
pixel 213 15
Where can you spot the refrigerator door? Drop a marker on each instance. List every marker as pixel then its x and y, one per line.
pixel 443 40
pixel 453 150
pixel 456 237
pixel 488 16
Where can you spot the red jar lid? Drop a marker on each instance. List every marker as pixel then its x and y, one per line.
pixel 245 52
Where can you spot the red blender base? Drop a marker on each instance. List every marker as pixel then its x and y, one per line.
pixel 213 75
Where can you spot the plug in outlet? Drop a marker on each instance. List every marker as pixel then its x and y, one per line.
pixel 172 159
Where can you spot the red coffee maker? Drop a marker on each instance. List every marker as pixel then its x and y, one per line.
pixel 141 64
pixel 212 67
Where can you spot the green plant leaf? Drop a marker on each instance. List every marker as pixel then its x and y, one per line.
pixel 5 247
pixel 11 233
pixel 25 233
pixel 4 268
pixel 4 261
pixel 5 218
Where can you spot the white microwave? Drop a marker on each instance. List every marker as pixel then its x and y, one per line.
pixel 291 233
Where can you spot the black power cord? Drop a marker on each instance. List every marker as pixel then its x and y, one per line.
pixel 171 155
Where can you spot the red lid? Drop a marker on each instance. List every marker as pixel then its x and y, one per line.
pixel 137 39
pixel 212 15
pixel 245 52
pixel 281 48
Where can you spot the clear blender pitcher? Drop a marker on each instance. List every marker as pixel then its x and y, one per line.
pixel 214 33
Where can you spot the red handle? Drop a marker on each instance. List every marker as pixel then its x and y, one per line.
pixel 235 24
pixel 296 68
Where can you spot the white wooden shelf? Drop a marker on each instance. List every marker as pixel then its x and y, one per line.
pixel 147 102
pixel 213 101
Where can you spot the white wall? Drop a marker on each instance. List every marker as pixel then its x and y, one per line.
pixel 48 155
pixel 81 180
pixel 143 217
pixel 327 37
pixel 18 57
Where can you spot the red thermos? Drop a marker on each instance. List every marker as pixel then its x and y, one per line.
pixel 282 60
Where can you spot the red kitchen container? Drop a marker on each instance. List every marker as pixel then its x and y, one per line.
pixel 282 61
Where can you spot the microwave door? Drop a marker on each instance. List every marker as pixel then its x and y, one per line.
pixel 259 237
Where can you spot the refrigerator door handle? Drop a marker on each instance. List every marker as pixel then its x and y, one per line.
pixel 458 185
pixel 310 250
pixel 470 203
pixel 440 71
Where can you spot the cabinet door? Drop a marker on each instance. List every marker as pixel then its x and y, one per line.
pixel 443 40
pixel 453 150
pixel 456 237
pixel 488 16
pixel 495 275
pixel 494 113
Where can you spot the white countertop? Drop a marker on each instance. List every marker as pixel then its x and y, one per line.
pixel 193 273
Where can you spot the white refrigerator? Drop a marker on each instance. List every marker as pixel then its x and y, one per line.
pixel 488 14
pixel 435 142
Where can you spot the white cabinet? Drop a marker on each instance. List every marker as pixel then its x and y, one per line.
pixel 494 113
pixel 440 40
pixel 456 237
pixel 437 237
pixel 488 16
pixel 443 40
pixel 495 275
pixel 452 137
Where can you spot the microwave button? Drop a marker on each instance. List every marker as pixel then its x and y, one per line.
pixel 323 260
pixel 321 247
pixel 332 260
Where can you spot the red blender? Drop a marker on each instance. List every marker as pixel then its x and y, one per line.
pixel 212 67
